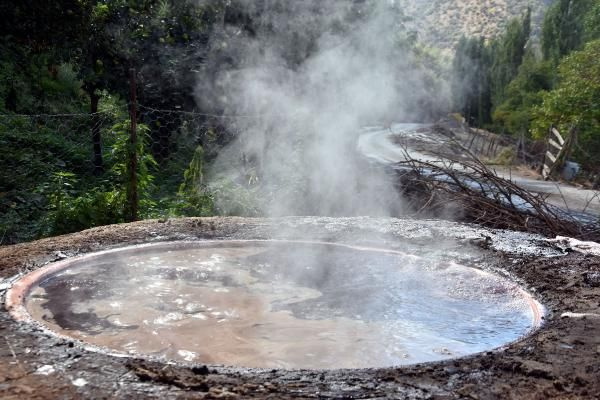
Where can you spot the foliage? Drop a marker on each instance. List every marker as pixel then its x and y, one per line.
pixel 523 94
pixel 576 99
pixel 471 86
pixel 193 198
pixel 74 57
pixel 575 102
pixel 506 157
pixel 31 83
pixel 32 151
pixel 74 207
pixel 592 22
pixel 563 28
pixel 518 76
pixel 234 199
pixel 443 22
pixel 71 210
pixel 44 26
pixel 483 70
pixel 507 56
pixel 121 154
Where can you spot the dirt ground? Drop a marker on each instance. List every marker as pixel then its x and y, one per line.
pixel 560 360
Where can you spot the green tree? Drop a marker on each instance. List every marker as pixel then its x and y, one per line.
pixel 194 198
pixel 523 94
pixel 482 71
pixel 563 28
pixel 72 209
pixel 574 105
pixel 471 84
pixel 592 22
pixel 508 55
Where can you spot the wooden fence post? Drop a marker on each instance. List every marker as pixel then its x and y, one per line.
pixel 132 187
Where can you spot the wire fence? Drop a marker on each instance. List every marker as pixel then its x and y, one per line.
pixel 66 172
pixel 503 149
pixel 73 167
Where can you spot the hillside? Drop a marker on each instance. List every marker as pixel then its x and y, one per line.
pixel 443 22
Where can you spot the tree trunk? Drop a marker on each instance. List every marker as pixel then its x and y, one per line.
pixel 96 136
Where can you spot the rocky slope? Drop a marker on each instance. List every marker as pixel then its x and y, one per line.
pixel 443 22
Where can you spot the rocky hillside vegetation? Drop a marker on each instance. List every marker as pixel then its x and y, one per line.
pixel 443 22
pixel 508 86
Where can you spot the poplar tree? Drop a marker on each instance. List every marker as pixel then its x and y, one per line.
pixel 508 55
pixel 563 30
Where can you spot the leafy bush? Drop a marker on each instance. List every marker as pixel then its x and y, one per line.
pixel 233 199
pixel 573 105
pixel 33 149
pixel 506 157
pixel 193 198
pixel 72 210
pixel 121 165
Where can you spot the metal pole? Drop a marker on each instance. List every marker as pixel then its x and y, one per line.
pixel 132 189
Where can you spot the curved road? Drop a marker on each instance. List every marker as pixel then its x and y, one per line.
pixel 376 144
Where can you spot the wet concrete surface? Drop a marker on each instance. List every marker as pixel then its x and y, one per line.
pixel 558 361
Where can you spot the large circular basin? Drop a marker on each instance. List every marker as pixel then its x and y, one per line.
pixel 275 304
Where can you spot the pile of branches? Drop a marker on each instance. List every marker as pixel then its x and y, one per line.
pixel 462 187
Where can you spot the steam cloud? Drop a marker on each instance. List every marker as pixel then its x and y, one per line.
pixel 314 74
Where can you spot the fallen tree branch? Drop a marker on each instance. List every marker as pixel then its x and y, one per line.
pixel 467 189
